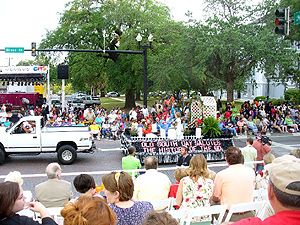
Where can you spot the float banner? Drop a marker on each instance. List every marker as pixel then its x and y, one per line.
pixel 174 146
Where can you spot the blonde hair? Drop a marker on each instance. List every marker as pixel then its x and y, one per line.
pixel 268 158
pixel 180 173
pixel 14 176
pixel 88 210
pixel 198 167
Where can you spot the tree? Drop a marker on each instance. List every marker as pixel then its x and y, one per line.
pixel 81 27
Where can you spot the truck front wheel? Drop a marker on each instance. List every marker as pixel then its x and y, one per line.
pixel 2 156
pixel 66 154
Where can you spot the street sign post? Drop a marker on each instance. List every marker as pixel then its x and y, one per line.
pixel 14 50
pixel 297 18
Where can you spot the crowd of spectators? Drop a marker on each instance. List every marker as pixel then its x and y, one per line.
pixel 259 117
pixel 121 200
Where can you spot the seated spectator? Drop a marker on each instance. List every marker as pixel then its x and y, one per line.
pixel 159 218
pixel 234 184
pixel 114 128
pixel 106 129
pixel 89 210
pixel 95 129
pixel 147 129
pixel 283 193
pixel 54 192
pixel 178 174
pixel 14 176
pixel 290 123
pixel 262 178
pixel 85 185
pixel 152 185
pixel 7 123
pixel 251 125
pixel 296 153
pixel 229 125
pixel 242 126
pixel 196 189
pixel 264 124
pixel 276 123
pixel 118 189
pixel 13 201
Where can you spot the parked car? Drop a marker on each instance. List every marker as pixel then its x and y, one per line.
pixel 55 103
pixel 77 103
pixel 112 94
pixel 96 100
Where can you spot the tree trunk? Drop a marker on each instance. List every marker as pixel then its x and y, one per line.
pixel 138 96
pixel 129 99
pixel 229 85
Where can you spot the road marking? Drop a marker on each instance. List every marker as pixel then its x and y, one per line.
pixel 276 144
pixel 110 149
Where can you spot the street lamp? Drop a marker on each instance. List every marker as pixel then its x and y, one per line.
pixel 145 47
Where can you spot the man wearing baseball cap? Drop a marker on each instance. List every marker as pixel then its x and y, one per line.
pixel 283 193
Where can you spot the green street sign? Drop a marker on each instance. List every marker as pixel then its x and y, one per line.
pixel 297 18
pixel 14 50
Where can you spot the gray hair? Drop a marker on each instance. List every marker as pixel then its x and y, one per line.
pixel 151 163
pixel 52 170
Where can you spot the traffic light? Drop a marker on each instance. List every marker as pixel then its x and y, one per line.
pixel 33 49
pixel 282 21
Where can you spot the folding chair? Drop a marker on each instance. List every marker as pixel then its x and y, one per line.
pixel 172 203
pixel 244 207
pixel 256 195
pixel 160 204
pixel 179 215
pixel 204 211
pixel 55 214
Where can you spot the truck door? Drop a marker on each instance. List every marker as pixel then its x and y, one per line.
pixel 25 138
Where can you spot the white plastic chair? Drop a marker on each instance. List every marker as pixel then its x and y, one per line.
pixel 204 211
pixel 179 215
pixel 55 214
pixel 160 204
pixel 244 207
pixel 172 203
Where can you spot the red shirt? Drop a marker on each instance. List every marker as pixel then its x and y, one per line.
pixel 261 150
pixel 282 218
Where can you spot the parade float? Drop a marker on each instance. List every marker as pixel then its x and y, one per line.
pixel 167 147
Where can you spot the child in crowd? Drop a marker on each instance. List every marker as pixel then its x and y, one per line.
pixel 178 174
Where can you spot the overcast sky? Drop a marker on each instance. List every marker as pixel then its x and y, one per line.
pixel 26 21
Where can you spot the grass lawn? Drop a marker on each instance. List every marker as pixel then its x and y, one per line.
pixel 108 103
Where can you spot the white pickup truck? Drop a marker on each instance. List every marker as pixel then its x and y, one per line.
pixel 29 135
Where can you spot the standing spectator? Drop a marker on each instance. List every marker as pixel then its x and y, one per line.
pixel 130 162
pixel 196 190
pixel 249 153
pixel 132 114
pixel 90 115
pixel 25 102
pixel 118 189
pixel 13 201
pixel 152 185
pixel 235 184
pixel 283 193
pixel 184 159
pixel 54 192
pixel 145 112
pixel 262 146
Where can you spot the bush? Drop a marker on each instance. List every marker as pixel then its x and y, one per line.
pixel 293 94
pixel 257 98
pixel 210 127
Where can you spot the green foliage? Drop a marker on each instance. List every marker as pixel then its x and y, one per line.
pixel 210 127
pixel 292 94
pixel 257 98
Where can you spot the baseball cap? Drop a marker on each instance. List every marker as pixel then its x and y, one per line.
pixel 283 171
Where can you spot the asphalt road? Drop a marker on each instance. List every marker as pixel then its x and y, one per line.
pixel 108 158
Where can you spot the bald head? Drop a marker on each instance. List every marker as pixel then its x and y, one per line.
pixel 151 163
pixel 53 171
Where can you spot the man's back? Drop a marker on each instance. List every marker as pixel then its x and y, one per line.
pixel 152 185
pixel 250 154
pixel 130 163
pixel 53 193
pixel 235 185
